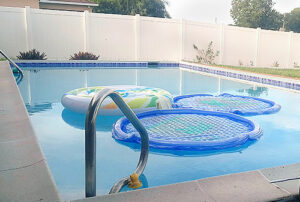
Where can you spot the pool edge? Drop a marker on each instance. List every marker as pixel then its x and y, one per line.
pixel 246 186
pixel 24 173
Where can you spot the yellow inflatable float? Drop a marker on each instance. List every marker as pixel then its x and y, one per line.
pixel 139 98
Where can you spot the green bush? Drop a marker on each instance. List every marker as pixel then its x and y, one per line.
pixel 206 56
pixel 31 55
pixel 84 56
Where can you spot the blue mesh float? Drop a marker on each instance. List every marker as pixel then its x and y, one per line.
pixel 189 129
pixel 242 105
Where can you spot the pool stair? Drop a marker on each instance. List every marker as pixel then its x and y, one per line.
pixel 90 142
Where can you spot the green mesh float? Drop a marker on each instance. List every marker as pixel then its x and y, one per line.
pixel 189 129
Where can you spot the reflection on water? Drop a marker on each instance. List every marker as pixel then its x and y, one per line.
pixel 255 92
pixel 61 132
pixel 76 120
pixel 35 108
pixel 142 178
pixel 182 153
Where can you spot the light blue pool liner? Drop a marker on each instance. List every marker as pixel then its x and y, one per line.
pixel 189 129
pixel 241 105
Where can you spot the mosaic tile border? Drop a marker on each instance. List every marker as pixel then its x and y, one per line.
pixel 88 64
pixel 257 79
pixel 211 70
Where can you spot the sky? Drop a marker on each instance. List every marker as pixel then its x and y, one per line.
pixel 211 11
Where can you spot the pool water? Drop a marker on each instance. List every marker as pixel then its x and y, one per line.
pixel 61 132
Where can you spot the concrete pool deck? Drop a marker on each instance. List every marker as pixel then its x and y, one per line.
pixel 25 176
pixel 24 173
pixel 247 186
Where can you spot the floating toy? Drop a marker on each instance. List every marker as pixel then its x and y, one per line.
pixel 139 98
pixel 242 105
pixel 189 129
pixel 134 182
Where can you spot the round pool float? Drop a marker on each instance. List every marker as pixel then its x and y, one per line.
pixel 139 98
pixel 189 129
pixel 242 105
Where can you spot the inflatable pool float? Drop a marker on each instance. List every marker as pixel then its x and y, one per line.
pixel 189 129
pixel 242 105
pixel 139 98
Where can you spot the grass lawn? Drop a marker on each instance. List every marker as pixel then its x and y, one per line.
pixel 293 73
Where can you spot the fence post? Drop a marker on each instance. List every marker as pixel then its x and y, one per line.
pixel 28 28
pixel 221 43
pixel 182 39
pixel 86 30
pixel 290 65
pixel 137 36
pixel 256 56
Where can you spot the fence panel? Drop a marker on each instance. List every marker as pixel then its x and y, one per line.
pixel 57 33
pixel 239 51
pixel 295 51
pixel 159 39
pixel 273 49
pixel 12 31
pixel 112 36
pixel 200 35
pixel 127 38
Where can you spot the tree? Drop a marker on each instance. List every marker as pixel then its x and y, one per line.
pixel 152 8
pixel 292 20
pixel 256 13
pixel 108 6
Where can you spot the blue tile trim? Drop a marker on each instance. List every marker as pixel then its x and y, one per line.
pixel 91 65
pixel 245 77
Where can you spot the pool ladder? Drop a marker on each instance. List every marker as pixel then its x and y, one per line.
pixel 90 141
pixel 20 72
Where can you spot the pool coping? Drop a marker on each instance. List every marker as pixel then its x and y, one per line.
pixel 257 185
pixel 26 176
pixel 24 173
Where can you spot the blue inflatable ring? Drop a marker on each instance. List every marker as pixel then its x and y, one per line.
pixel 241 105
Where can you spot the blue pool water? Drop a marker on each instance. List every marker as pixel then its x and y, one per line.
pixel 61 132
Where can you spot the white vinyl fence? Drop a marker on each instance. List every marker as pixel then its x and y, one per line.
pixel 134 38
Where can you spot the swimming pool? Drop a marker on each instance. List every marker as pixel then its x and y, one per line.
pixel 61 132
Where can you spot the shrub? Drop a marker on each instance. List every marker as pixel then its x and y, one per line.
pixel 31 55
pixel 276 64
pixel 206 56
pixel 251 63
pixel 240 63
pixel 84 56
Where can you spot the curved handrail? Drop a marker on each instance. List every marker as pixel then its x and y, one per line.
pixel 19 79
pixel 90 140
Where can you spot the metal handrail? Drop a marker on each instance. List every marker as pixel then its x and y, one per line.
pixel 90 140
pixel 19 79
